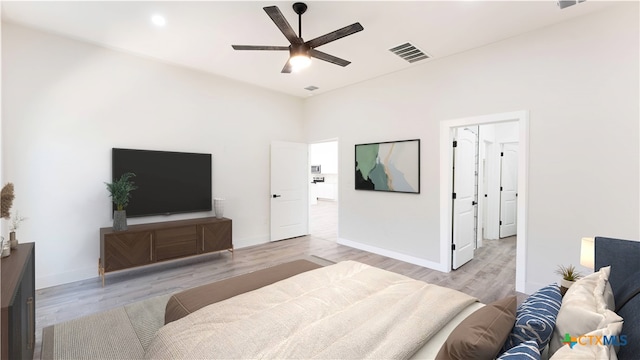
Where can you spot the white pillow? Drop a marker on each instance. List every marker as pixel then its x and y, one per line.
pixel 588 348
pixel 602 291
pixel 585 308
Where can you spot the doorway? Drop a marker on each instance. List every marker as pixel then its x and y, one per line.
pixel 323 190
pixel 447 129
pixel 485 187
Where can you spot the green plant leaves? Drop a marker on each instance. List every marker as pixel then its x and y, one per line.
pixel 120 190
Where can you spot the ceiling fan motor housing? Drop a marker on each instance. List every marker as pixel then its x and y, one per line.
pixel 299 49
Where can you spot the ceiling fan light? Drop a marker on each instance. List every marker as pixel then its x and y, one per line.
pixel 300 61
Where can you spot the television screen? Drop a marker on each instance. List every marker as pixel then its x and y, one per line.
pixel 168 182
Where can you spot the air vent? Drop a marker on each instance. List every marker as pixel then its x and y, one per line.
pixel 311 88
pixel 409 52
pixel 564 3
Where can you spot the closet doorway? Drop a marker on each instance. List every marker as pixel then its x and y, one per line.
pixel 487 209
pixel 485 187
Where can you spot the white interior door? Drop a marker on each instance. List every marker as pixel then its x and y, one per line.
pixel 289 197
pixel 508 189
pixel 464 168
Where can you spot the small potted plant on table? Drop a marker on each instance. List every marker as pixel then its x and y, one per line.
pixel 569 277
pixel 15 224
pixel 120 193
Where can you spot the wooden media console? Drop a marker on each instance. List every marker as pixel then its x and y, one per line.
pixel 146 244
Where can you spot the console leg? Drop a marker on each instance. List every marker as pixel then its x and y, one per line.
pixel 101 271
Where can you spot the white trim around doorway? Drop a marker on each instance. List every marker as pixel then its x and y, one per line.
pixel 446 187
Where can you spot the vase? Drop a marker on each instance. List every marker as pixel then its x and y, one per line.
pixel 120 220
pixel 218 207
pixel 13 242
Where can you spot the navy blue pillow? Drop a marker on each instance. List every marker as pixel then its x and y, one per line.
pixel 536 318
pixel 528 350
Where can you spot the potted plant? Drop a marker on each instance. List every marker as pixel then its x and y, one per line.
pixel 120 193
pixel 15 223
pixel 569 276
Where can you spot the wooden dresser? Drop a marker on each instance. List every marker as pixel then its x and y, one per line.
pixel 19 303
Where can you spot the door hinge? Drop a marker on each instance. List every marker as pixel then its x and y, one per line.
pixel 500 188
pixel 455 143
pixel 454 196
pixel 501 153
pixel 453 246
pixel 500 222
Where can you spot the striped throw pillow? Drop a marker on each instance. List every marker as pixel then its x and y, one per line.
pixel 528 350
pixel 536 318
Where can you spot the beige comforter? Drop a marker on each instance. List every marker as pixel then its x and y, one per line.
pixel 346 310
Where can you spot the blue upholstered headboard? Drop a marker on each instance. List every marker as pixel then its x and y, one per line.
pixel 624 258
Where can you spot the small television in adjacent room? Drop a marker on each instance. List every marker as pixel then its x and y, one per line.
pixel 168 182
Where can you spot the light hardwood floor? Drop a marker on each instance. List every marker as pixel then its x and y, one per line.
pixel 489 276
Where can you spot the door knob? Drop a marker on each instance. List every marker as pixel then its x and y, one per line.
pixel 276 196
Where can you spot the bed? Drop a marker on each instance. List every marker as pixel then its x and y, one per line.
pixel 624 258
pixel 352 310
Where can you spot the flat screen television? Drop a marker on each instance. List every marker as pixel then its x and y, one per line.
pixel 168 182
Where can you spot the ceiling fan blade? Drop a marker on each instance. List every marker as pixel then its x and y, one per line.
pixel 259 47
pixel 335 35
pixel 287 68
pixel 330 58
pixel 282 24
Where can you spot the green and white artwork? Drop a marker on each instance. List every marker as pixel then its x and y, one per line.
pixel 388 166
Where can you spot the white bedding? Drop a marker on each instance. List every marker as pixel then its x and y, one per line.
pixel 346 310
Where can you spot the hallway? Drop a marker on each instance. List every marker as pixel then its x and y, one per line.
pixel 323 220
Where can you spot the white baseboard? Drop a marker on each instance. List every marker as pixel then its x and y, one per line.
pixel 67 277
pixel 394 255
pixel 253 241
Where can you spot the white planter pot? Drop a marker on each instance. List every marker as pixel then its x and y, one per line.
pixel 566 283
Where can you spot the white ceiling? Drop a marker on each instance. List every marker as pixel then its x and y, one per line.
pixel 199 34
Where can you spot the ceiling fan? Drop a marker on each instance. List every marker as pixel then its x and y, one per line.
pixel 300 51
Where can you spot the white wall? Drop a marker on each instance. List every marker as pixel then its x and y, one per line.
pixel 326 155
pixel 579 82
pixel 506 132
pixel 67 103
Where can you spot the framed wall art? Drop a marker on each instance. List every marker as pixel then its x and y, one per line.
pixel 388 166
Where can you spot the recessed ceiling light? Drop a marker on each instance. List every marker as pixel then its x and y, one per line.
pixel 158 20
